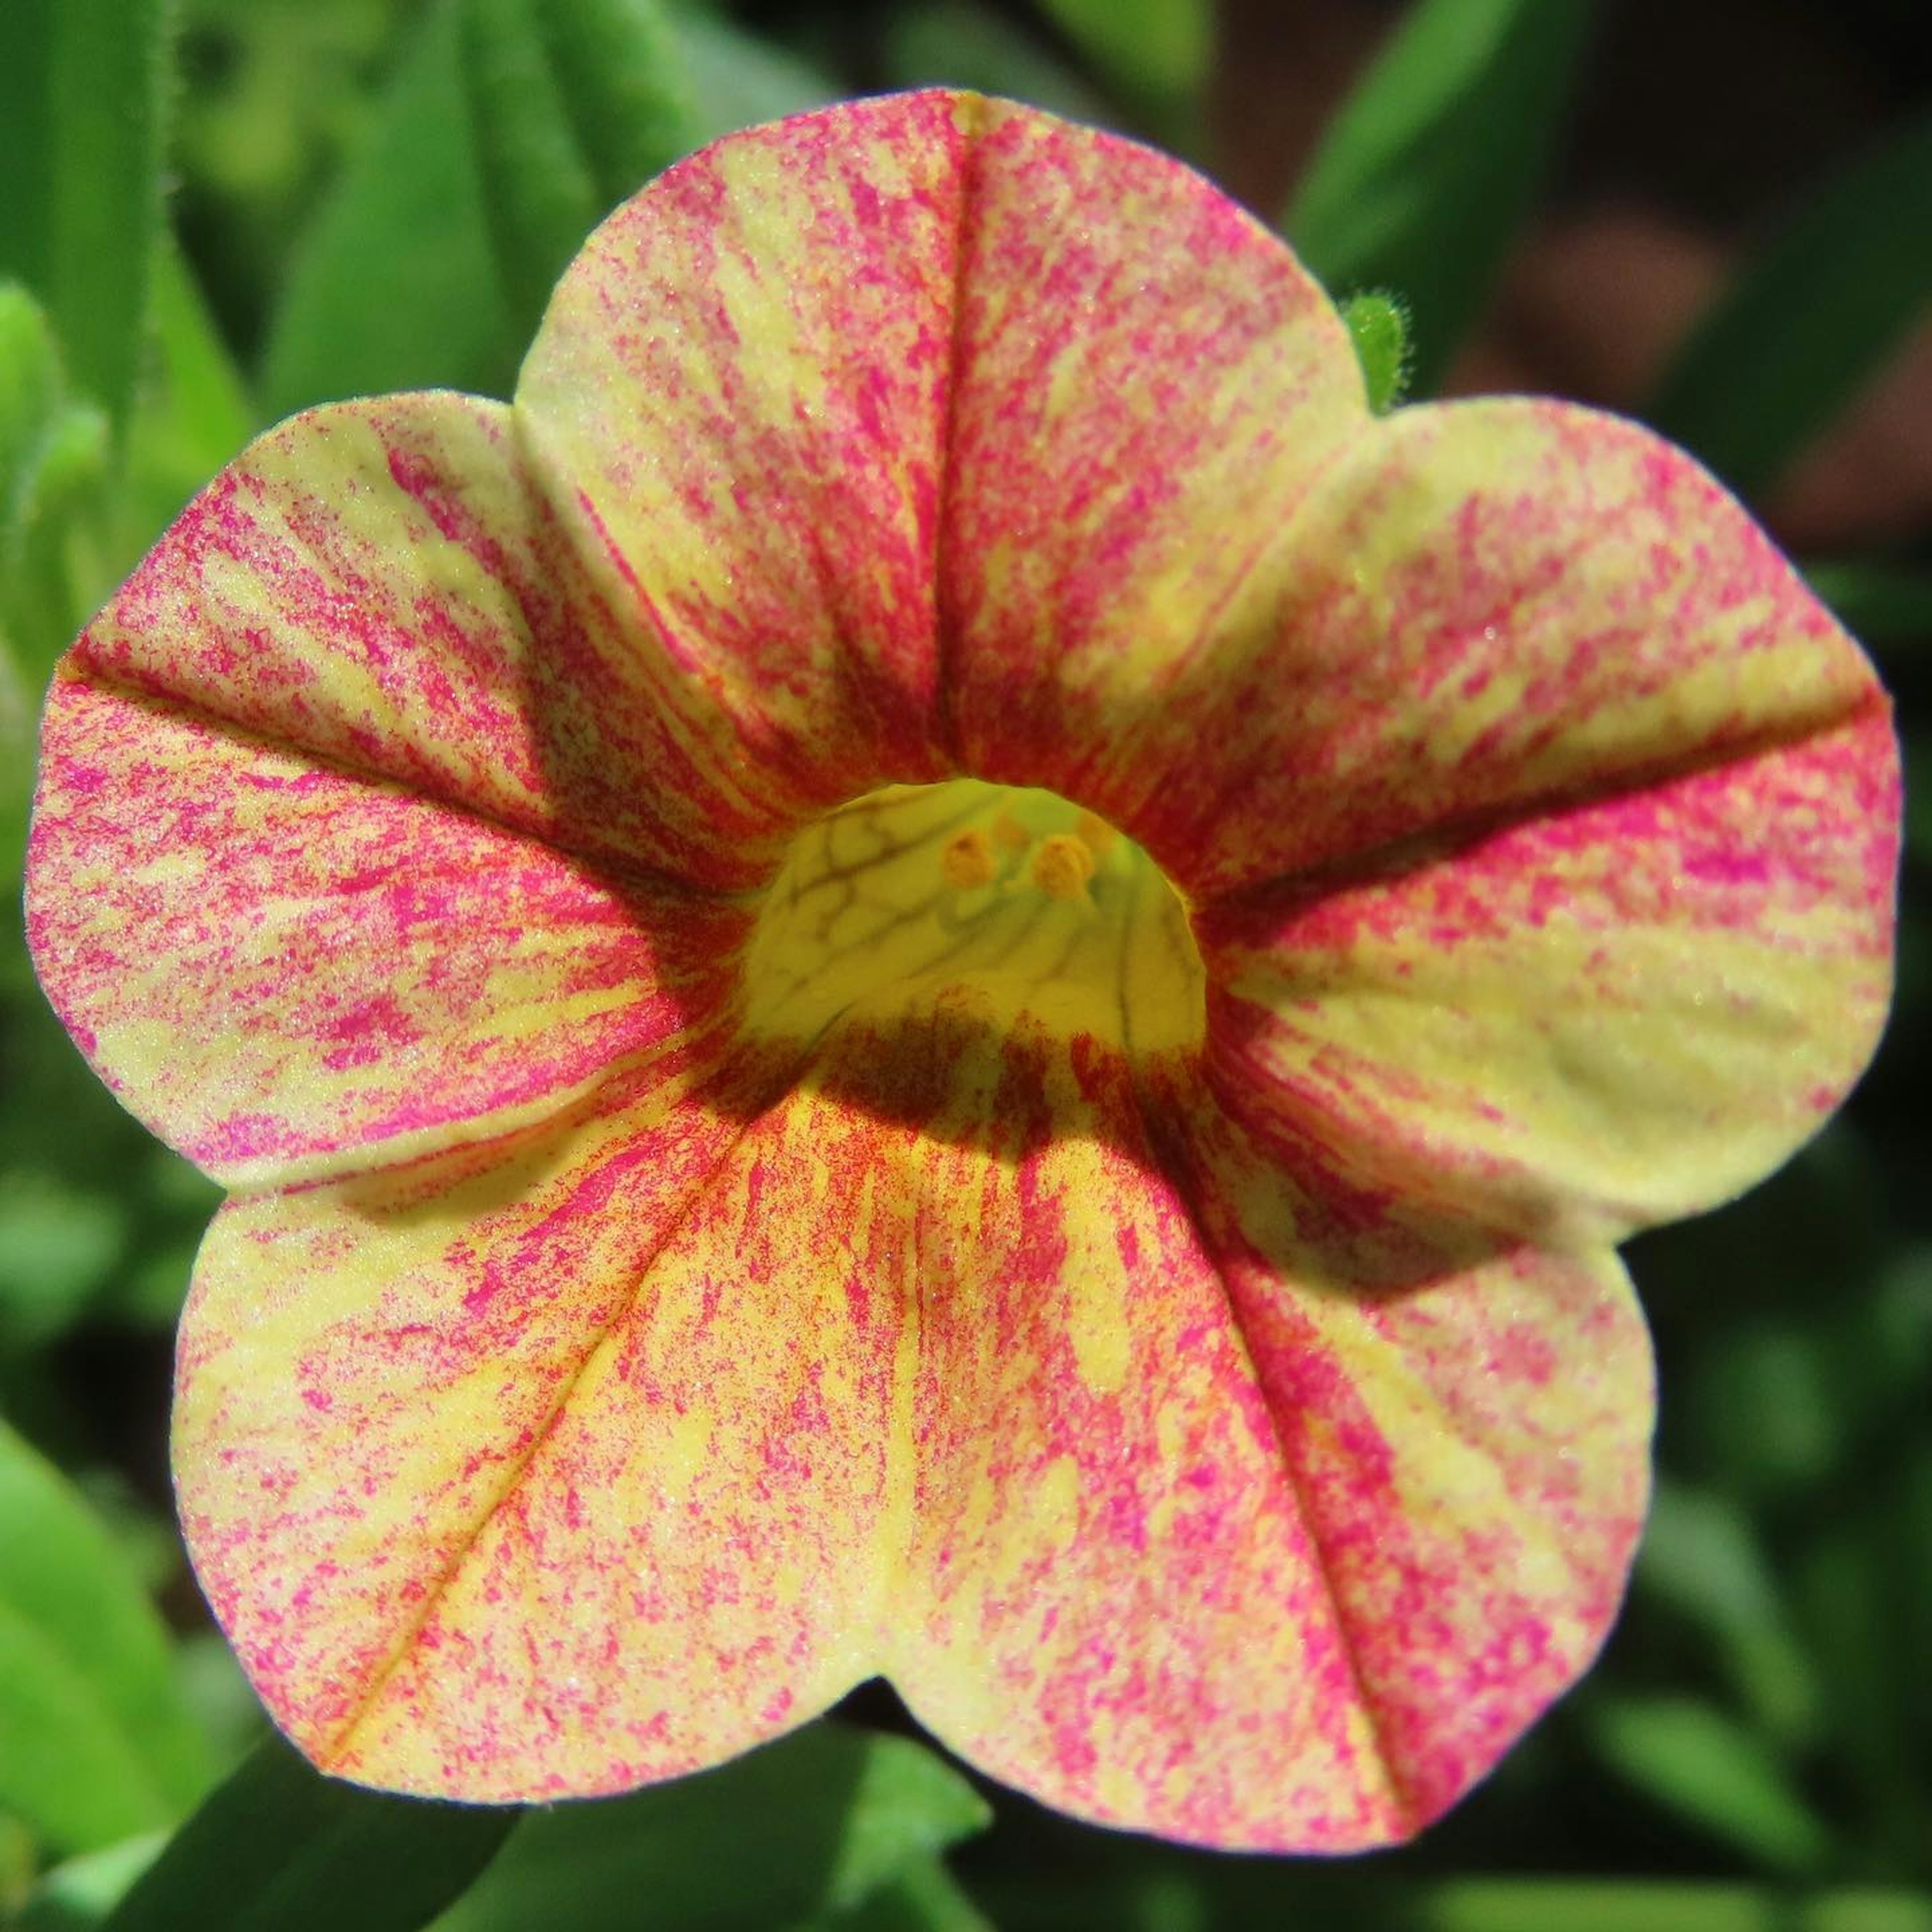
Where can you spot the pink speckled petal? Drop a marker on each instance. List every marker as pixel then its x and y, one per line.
pixel 380 584
pixel 1466 1424
pixel 552 1468
pixel 1147 385
pixel 286 971
pixel 1486 610
pixel 739 393
pixel 931 430
pixel 1234 1523
pixel 1615 1013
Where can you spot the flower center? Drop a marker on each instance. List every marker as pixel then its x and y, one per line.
pixel 1015 904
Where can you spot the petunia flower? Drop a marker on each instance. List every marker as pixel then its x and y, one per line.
pixel 935 969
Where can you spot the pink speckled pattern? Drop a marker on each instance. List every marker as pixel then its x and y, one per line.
pixel 775 316
pixel 1196 1371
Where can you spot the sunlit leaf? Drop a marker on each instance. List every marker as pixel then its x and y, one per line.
pixel 925 1896
pixel 1809 319
pixel 574 104
pixel 817 1822
pixel 194 411
pixel 99 1745
pixel 279 1848
pixel 1434 160
pixel 510 130
pixel 53 459
pixel 84 86
pixel 395 286
pixel 78 1894
pixel 16 761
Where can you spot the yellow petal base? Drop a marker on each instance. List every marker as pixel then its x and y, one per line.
pixel 1036 906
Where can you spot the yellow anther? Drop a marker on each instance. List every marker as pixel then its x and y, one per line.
pixel 1096 834
pixel 967 859
pixel 1010 835
pixel 1062 866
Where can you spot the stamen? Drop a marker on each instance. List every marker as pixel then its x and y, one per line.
pixel 967 859
pixel 1062 866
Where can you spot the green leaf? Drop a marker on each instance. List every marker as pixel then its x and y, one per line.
pixel 99 1743
pixel 194 411
pixel 395 286
pixel 739 80
pixel 1649 1905
pixel 1146 48
pixel 512 128
pixel 1910 1539
pixel 58 1247
pixel 1436 157
pixel 1768 1412
pixel 1843 1587
pixel 817 1822
pixel 1700 1557
pixel 1809 319
pixel 924 1897
pixel 620 68
pixel 83 88
pixel 962 43
pixel 574 105
pixel 279 1848
pixel 53 462
pixel 76 1896
pixel 16 767
pixel 1692 1759
pixel 1879 604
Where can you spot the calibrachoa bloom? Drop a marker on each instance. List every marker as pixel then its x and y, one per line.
pixel 935 969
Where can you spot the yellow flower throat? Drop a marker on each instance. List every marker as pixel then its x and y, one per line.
pixel 1016 902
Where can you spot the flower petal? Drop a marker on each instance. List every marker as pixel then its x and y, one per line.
pixel 1489 609
pixel 1466 1424
pixel 380 583
pixel 740 390
pixel 1147 384
pixel 1199 1542
pixel 545 1469
pixel 902 331
pixel 286 971
pixel 1617 1013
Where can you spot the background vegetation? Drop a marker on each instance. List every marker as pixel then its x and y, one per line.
pixel 1720 217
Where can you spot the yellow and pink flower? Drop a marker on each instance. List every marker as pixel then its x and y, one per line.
pixel 935 970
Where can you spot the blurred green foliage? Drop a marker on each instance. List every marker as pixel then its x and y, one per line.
pixel 215 211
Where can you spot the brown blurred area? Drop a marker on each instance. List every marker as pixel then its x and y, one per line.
pixel 1699 124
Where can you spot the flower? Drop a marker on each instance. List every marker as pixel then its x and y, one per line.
pixel 935 969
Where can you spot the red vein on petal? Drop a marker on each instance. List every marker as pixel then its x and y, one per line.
pixel 1441 842
pixel 624 868
pixel 1175 1168
pixel 432 1598
pixel 971 114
